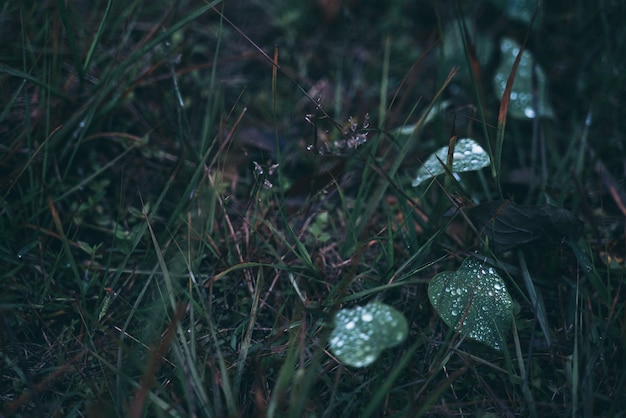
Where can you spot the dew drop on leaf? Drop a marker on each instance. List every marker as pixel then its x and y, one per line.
pixel 362 333
pixel 482 297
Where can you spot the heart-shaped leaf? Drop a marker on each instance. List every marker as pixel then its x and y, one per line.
pixel 468 156
pixel 473 300
pixel 362 333
pixel 521 105
pixel 508 225
pixel 518 9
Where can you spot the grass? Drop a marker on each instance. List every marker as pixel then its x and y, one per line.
pixel 159 263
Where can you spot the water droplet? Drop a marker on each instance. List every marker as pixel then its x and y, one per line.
pixel 529 112
pixel 258 170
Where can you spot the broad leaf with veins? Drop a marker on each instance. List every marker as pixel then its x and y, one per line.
pixel 508 225
pixel 474 301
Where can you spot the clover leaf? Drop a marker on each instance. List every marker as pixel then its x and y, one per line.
pixel 473 300
pixel 362 333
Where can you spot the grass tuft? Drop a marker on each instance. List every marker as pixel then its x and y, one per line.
pixel 190 191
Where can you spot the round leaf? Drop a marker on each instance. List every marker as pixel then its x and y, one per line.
pixel 474 300
pixel 362 333
pixel 468 156
pixel 521 10
pixel 521 105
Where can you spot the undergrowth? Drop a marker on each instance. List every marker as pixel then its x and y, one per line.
pixel 190 191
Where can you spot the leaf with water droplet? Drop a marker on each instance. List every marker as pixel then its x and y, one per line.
pixel 468 156
pixel 473 300
pixel 362 333
pixel 454 45
pixel 522 104
pixel 518 9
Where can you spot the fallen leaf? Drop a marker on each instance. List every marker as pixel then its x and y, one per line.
pixel 508 225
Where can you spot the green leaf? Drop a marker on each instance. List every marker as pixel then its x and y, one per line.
pixel 405 132
pixel 362 333
pixel 453 45
pixel 468 156
pixel 522 106
pixel 473 300
pixel 521 10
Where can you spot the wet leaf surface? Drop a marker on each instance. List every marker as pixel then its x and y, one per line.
pixel 468 156
pixel 362 333
pixel 528 97
pixel 473 300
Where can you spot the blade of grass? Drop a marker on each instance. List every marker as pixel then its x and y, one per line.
pixel 504 104
pixel 421 406
pixel 66 245
pixel 384 85
pixel 535 299
pixel 285 377
pixel 475 75
pixel 385 388
pixel 182 351
pixel 524 372
pixel 377 195
pixel 575 357
pixel 245 343
pixel 71 37
pixel 110 90
pixel 96 39
pixel 137 405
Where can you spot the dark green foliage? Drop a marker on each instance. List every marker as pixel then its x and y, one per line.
pixel 507 225
pixel 181 219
